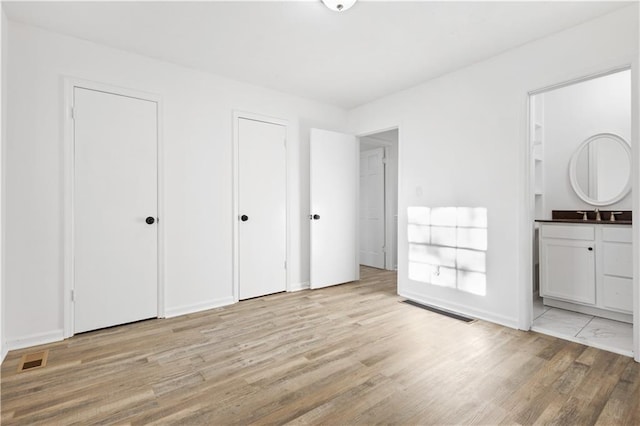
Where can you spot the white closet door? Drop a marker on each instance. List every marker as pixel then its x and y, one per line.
pixel 115 194
pixel 262 208
pixel 334 208
pixel 372 226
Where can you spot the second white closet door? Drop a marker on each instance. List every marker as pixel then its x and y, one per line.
pixel 262 208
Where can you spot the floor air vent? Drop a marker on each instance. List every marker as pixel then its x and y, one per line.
pixel 439 311
pixel 33 360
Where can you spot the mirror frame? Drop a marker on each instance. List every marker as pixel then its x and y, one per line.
pixel 573 166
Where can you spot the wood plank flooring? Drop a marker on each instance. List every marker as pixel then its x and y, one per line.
pixel 350 354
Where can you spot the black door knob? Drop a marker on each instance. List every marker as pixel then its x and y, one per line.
pixel 316 216
pixel 590 248
pixel 244 218
pixel 150 220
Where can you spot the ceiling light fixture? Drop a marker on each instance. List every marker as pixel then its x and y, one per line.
pixel 339 5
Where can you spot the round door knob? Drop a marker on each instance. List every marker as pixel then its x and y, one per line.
pixel 316 216
pixel 590 249
pixel 150 220
pixel 244 218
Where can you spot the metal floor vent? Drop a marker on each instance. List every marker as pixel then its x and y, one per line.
pixel 33 360
pixel 439 311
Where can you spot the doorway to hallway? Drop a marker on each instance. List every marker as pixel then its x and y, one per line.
pixel 378 233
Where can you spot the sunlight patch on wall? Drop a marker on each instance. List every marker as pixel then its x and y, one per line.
pixel 447 247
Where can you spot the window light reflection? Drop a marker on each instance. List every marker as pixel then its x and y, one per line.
pixel 447 247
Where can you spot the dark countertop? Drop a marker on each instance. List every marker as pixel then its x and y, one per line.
pixel 623 217
pixel 589 221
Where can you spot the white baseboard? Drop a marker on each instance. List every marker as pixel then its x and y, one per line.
pixel 34 340
pixel 4 352
pixel 299 286
pixel 197 307
pixel 461 309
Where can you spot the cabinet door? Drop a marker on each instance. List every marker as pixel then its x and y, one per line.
pixel 617 259
pixel 617 270
pixel 617 293
pixel 568 270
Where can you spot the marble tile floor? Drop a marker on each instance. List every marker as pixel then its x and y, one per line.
pixel 602 333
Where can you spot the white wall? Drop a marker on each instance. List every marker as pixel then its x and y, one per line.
pixel 3 126
pixel 197 134
pixel 573 114
pixel 463 140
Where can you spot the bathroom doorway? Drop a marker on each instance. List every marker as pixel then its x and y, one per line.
pixel 581 169
pixel 378 233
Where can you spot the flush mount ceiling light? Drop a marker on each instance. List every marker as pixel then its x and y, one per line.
pixel 339 5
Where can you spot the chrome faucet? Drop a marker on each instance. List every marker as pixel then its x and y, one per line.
pixel 598 217
pixel 583 213
pixel 613 216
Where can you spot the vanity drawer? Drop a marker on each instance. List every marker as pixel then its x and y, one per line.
pixel 568 232
pixel 617 259
pixel 616 234
pixel 618 293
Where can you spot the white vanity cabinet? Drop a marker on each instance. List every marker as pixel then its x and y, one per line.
pixel 587 268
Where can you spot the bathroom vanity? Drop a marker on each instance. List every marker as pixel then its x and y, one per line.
pixel 585 257
pixel 586 266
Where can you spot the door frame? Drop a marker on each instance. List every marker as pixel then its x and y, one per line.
pixel 235 203
pixel 527 215
pixel 389 213
pixel 70 83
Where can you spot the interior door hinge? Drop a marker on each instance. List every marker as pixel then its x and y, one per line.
pixel 73 295
pixel 72 113
pixel 285 264
pixel 285 143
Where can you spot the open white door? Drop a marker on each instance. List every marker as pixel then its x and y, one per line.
pixel 334 208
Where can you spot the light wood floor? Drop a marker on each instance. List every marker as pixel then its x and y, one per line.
pixel 350 354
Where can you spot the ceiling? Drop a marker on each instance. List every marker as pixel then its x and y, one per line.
pixel 300 47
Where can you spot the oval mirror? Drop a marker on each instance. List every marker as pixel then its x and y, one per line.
pixel 600 169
